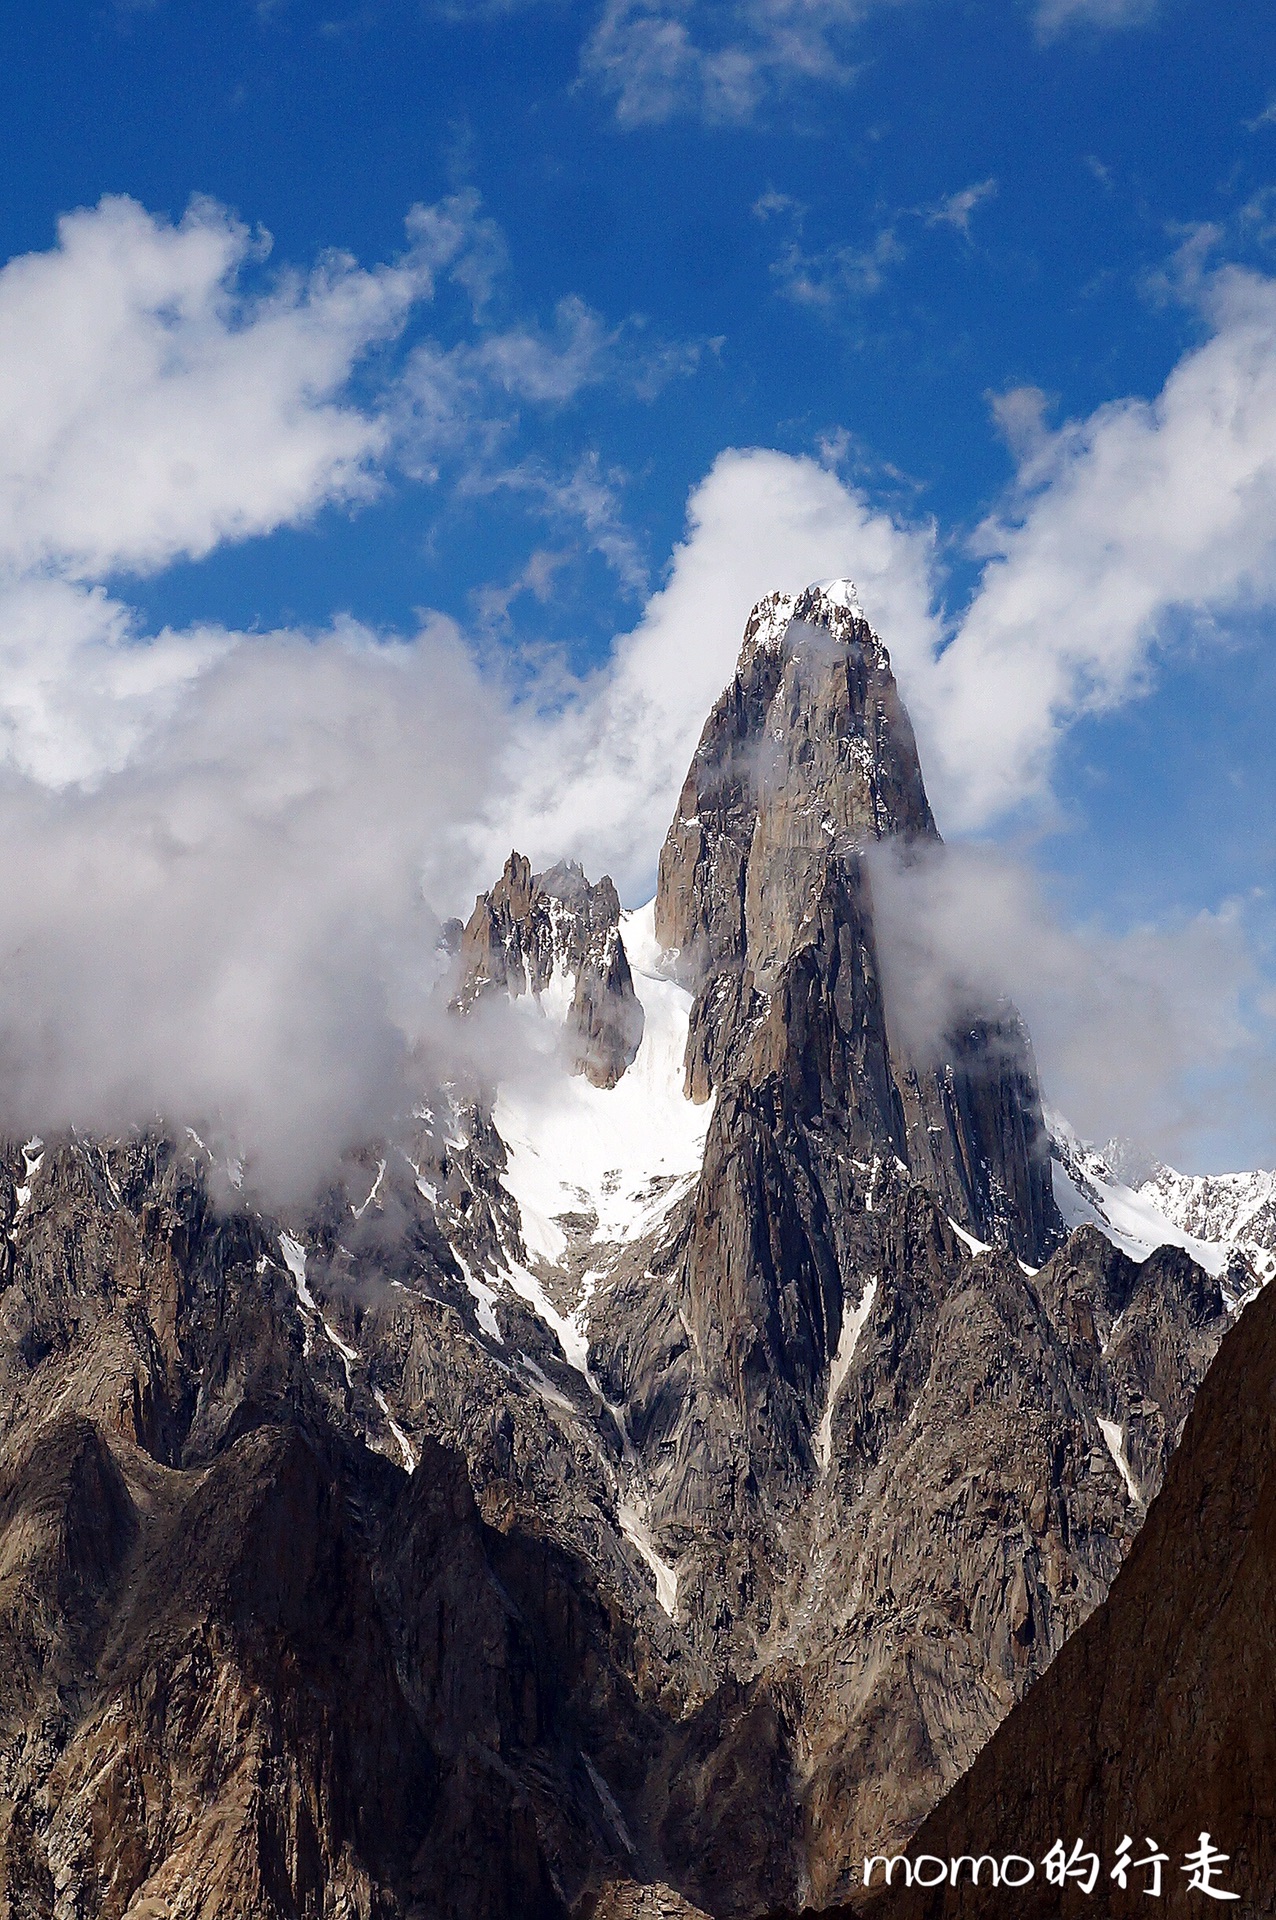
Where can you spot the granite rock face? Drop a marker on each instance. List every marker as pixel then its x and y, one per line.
pixel 807 761
pixel 554 933
pixel 639 1500
pixel 809 750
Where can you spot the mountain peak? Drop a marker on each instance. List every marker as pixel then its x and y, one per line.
pixel 807 753
pixel 832 605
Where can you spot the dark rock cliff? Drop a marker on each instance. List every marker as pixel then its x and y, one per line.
pixel 1152 1722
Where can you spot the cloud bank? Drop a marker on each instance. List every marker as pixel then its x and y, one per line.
pixel 228 852
pixel 1142 1034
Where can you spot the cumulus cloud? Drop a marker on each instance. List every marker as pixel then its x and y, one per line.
pixel 1143 517
pixel 151 408
pixel 227 853
pixel 598 775
pixel 235 929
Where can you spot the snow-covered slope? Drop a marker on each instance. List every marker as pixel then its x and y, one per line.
pixel 1232 1209
pixel 1215 1217
pixel 622 1154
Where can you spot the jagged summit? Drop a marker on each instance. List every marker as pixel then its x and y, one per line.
pixel 765 905
pixel 1226 1221
pixel 807 753
pixel 555 936
pixel 832 605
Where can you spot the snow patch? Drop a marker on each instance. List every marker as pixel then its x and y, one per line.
pixel 1131 1221
pixel 295 1261
pixel 607 1800
pixel 359 1212
pixel 626 1153
pixel 968 1240
pixel 853 1324
pixel 840 593
pixel 405 1446
pixel 1114 1436
pixel 32 1160
pixel 484 1298
pixel 636 1531
pixel 545 1386
pixel 566 1331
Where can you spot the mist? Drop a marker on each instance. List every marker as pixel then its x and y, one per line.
pixel 228 854
pixel 1154 1034
pixel 239 929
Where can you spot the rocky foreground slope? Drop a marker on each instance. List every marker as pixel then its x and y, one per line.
pixel 1153 1721
pixel 661 1469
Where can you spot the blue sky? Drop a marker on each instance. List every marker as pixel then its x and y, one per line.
pixel 946 254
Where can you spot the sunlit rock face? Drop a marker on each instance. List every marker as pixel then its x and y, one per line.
pixel 558 938
pixel 765 901
pixel 807 753
pixel 639 1483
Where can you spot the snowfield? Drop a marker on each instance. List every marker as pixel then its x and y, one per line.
pixel 624 1154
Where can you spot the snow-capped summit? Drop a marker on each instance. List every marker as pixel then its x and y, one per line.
pixel 1225 1221
pixel 839 593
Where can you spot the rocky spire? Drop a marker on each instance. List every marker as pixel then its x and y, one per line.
pixel 807 753
pixel 553 933
pixel 765 904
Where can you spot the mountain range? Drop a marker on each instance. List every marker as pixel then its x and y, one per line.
pixel 646 1482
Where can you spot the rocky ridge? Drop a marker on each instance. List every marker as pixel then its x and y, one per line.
pixel 662 1475
pixel 1226 1221
pixel 555 936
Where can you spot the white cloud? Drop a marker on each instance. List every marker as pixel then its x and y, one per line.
pixel 450 392
pixel 1020 414
pixel 662 58
pixel 955 210
pixel 1055 16
pixel 151 408
pixel 722 61
pixel 1148 1034
pixel 221 847
pixel 1145 514
pixel 81 688
pixel 231 921
pixel 825 278
pixel 160 395
pixel 830 275
pixel 233 928
pixel 598 777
